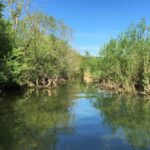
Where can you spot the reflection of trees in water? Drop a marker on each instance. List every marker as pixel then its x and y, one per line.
pixel 34 120
pixel 44 118
pixel 7 121
pixel 131 114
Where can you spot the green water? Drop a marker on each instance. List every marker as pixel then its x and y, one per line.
pixel 73 117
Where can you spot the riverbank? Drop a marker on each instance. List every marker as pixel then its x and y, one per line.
pixel 117 88
pixel 121 88
pixel 40 85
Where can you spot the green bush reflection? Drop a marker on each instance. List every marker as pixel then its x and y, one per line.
pixel 129 114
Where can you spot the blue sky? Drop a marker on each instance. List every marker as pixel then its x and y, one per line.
pixel 95 21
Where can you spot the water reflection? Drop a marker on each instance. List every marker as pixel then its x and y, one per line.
pixel 130 115
pixel 33 121
pixel 73 117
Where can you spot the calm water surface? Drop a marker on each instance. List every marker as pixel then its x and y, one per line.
pixel 73 117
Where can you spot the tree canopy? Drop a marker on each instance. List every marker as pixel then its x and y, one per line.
pixel 34 46
pixel 124 63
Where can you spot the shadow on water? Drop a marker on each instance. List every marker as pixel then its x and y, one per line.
pixel 73 117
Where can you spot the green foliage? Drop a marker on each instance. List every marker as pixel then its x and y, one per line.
pixel 6 43
pixel 35 47
pixel 125 60
pixel 5 35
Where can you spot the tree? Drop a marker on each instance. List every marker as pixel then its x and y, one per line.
pixel 124 61
pixel 6 43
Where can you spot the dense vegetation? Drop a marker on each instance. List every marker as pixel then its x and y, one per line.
pixel 124 63
pixel 35 51
pixel 34 47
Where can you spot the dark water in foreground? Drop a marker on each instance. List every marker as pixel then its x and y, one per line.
pixel 74 117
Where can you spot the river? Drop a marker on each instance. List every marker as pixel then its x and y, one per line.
pixel 74 117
